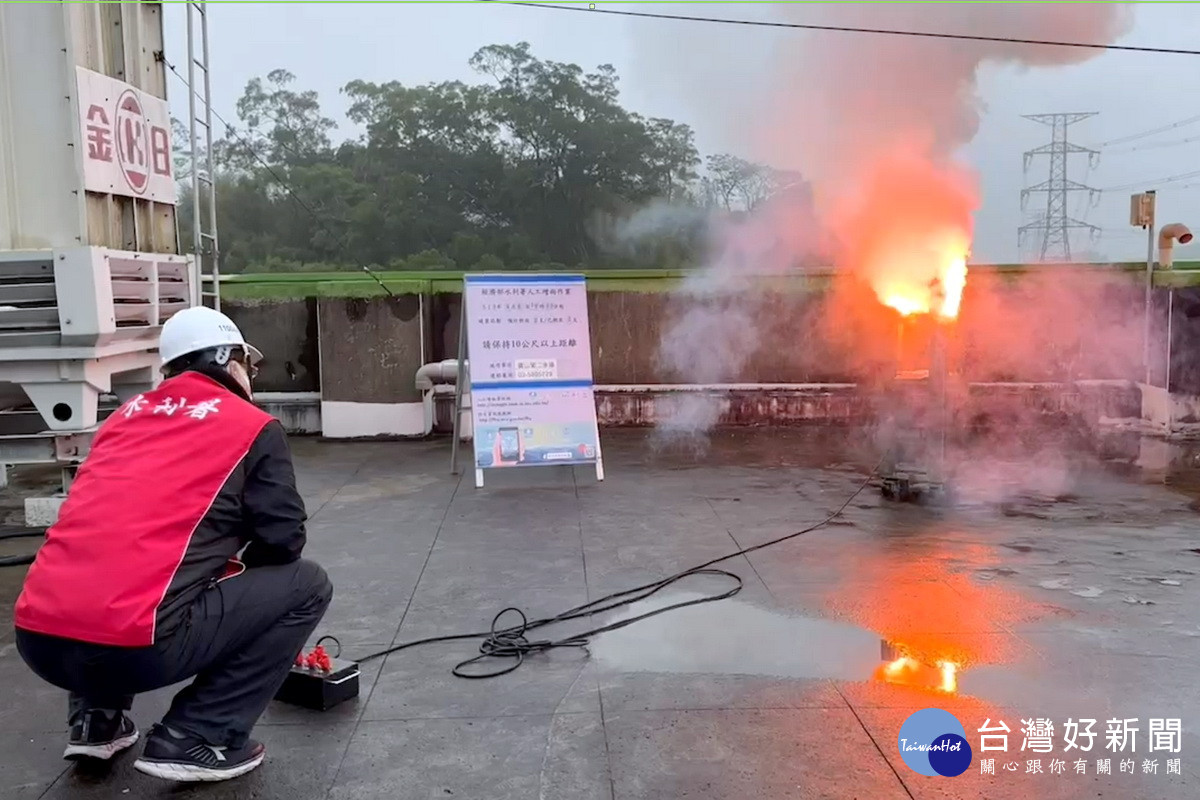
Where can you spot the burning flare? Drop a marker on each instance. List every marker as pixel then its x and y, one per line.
pixel 907 671
pixel 949 676
pixel 907 229
pixel 944 294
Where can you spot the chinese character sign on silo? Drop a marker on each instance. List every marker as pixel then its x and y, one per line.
pixel 126 139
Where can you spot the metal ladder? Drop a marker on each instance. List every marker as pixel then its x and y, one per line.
pixel 204 192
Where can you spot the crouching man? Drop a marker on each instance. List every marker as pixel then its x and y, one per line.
pixel 139 584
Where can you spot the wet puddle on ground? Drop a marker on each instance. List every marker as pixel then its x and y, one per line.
pixel 734 637
pixel 742 638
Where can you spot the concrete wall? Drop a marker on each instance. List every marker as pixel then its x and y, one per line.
pixel 361 353
pixel 370 349
pixel 286 332
pixel 995 409
pixel 1185 342
pixel 802 339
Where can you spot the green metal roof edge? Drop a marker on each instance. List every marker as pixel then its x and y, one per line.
pixel 289 290
pixel 360 284
pixel 440 274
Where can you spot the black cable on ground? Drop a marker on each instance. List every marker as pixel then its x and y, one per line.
pixel 333 639
pixel 21 533
pixel 512 643
pixel 18 533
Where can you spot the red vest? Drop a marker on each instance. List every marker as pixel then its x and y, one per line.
pixel 154 469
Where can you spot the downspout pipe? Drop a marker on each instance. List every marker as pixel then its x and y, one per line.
pixel 429 375
pixel 437 372
pixel 1167 236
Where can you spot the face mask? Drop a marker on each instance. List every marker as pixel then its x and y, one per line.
pixel 242 376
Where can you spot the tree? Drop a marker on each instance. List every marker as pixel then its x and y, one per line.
pixel 281 126
pixel 518 169
pixel 673 159
pixel 735 184
pixel 573 151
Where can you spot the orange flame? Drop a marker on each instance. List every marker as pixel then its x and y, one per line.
pixel 905 226
pixel 899 291
pixel 949 676
pixel 954 280
pixel 907 671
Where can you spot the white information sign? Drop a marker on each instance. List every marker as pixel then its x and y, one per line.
pixel 125 139
pixel 530 356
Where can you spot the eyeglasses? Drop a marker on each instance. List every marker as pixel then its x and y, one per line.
pixel 251 369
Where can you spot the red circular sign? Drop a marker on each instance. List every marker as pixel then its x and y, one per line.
pixel 133 142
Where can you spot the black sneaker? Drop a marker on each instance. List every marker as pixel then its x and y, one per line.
pixel 100 735
pixel 186 758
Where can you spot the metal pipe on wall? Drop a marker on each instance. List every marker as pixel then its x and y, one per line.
pixel 1167 382
pixel 1149 286
pixel 1166 242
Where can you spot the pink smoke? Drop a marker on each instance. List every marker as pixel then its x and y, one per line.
pixel 875 122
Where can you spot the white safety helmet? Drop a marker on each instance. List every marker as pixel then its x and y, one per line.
pixel 200 328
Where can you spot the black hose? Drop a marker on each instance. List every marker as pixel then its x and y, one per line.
pixel 511 643
pixel 21 532
pixel 18 532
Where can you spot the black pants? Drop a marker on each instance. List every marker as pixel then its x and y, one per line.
pixel 239 642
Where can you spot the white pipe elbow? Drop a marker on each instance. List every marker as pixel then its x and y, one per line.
pixel 1167 236
pixel 438 372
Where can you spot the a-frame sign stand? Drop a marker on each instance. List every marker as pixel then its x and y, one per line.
pixel 533 368
pixel 464 375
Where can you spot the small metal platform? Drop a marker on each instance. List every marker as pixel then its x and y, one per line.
pixel 912 486
pixel 913 474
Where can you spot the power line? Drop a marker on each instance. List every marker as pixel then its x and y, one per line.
pixel 1088 200
pixel 1151 132
pixel 1155 145
pixel 850 29
pixel 1114 233
pixel 279 179
pixel 1182 176
pixel 1191 184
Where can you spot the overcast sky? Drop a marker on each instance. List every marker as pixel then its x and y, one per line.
pixel 328 45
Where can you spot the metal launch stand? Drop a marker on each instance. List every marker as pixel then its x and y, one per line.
pixel 914 469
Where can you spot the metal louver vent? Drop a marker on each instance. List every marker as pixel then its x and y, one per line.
pixel 28 302
pixel 147 292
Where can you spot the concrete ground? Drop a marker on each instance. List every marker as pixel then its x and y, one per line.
pixel 1063 591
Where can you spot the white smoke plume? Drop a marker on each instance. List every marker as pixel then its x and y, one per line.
pixel 658 219
pixel 713 323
